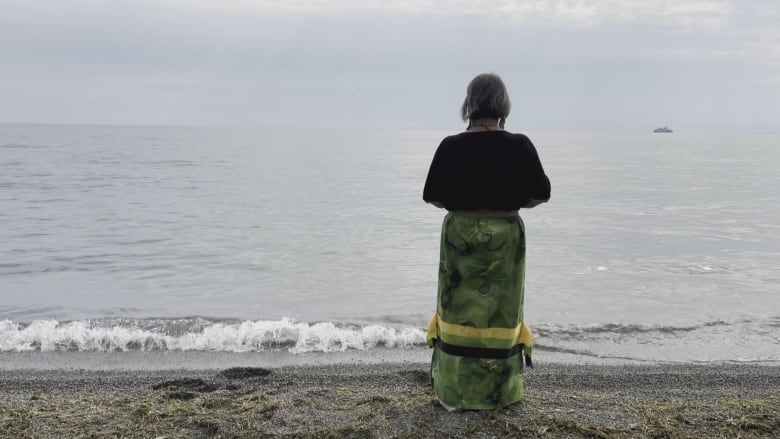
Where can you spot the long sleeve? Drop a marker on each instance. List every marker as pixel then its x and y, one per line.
pixel 538 183
pixel 436 182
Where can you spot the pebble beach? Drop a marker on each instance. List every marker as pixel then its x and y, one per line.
pixel 390 400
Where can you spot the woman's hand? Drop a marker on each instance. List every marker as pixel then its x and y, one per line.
pixel 533 202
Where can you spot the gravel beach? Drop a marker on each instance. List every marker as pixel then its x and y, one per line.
pixel 390 400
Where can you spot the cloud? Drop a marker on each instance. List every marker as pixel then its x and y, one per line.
pixel 545 13
pixel 214 62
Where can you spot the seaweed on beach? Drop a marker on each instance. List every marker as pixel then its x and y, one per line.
pixel 187 384
pixel 295 403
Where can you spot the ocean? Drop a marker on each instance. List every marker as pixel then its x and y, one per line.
pixel 654 247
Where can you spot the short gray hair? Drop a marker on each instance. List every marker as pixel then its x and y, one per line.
pixel 486 97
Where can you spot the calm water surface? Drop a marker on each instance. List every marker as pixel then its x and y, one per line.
pixel 653 246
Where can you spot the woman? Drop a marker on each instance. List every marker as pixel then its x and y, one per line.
pixel 482 177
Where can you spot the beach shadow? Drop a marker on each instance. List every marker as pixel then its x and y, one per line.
pixel 420 377
pixel 244 372
pixel 185 388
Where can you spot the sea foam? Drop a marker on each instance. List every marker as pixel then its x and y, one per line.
pixel 198 334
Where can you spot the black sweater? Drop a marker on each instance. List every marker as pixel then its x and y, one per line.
pixel 486 170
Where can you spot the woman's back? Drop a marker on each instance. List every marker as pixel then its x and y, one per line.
pixel 491 170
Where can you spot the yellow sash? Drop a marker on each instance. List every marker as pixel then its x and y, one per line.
pixel 467 336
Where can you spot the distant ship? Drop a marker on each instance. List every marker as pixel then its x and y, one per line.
pixel 663 130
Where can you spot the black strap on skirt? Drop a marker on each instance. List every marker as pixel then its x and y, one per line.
pixel 487 353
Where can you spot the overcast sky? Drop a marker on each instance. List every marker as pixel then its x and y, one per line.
pixel 695 65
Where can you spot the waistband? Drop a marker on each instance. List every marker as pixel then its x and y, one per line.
pixel 486 213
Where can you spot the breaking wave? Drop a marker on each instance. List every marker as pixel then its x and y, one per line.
pixel 199 334
pixel 747 339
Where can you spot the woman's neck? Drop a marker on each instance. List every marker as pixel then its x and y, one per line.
pixel 485 125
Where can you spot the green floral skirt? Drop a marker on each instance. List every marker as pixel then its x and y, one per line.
pixel 478 335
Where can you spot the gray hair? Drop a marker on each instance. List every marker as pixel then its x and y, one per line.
pixel 486 97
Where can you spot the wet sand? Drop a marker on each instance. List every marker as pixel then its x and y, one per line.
pixel 389 400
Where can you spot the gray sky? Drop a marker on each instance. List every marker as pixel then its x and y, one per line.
pixel 695 65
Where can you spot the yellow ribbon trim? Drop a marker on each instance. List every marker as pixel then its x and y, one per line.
pixel 519 334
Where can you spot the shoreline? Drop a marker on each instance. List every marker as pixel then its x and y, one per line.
pixel 390 399
pixel 208 360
